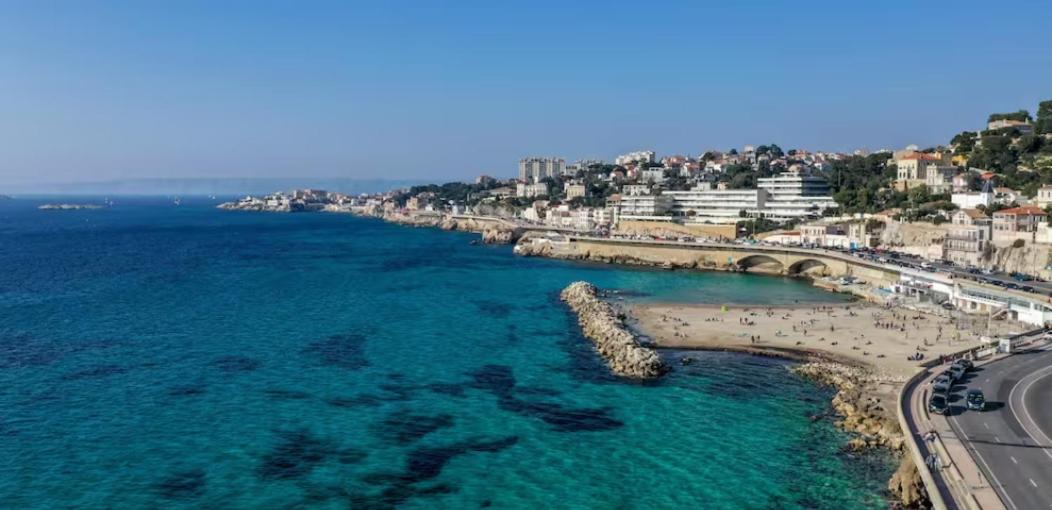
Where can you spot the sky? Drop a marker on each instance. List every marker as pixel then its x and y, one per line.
pixel 438 90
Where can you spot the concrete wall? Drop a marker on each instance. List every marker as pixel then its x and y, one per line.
pixel 668 228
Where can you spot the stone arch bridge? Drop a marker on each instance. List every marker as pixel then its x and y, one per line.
pixel 783 260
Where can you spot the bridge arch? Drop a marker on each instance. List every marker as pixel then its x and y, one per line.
pixel 765 262
pixel 807 266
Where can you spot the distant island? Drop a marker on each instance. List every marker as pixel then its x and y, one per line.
pixel 5 197
pixel 68 207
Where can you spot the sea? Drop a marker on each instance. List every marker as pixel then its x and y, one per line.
pixel 155 355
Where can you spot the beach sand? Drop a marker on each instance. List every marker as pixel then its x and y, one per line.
pixel 861 334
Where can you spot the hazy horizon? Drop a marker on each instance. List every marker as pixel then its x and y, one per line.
pixel 333 90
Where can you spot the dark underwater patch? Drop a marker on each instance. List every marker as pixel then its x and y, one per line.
pixel 496 379
pixel 95 372
pixel 295 455
pixel 562 418
pixel 449 389
pixel 344 351
pixel 282 394
pixel 405 427
pixel 236 364
pixel 28 351
pixel 427 463
pixel 500 381
pixel 182 485
pixel 189 390
pixel 356 401
pixel 496 309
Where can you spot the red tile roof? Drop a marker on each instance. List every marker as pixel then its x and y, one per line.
pixel 1026 210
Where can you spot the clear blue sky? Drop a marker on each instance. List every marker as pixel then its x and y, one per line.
pixel 445 90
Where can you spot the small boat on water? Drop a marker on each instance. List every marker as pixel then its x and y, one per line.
pixel 666 265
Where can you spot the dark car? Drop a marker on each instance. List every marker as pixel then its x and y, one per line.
pixel 938 404
pixel 965 363
pixel 975 400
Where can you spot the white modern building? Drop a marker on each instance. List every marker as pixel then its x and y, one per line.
pixel 636 157
pixel 643 207
pixel 795 195
pixel 706 205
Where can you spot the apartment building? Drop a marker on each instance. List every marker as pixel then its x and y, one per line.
pixel 702 204
pixel 795 194
pixel 1017 223
pixel 968 237
pixel 536 168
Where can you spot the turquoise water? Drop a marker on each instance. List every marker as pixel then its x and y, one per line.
pixel 184 357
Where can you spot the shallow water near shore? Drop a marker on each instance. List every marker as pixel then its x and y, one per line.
pixel 184 357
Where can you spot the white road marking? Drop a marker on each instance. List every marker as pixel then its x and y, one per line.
pixel 1032 482
pixel 1013 460
pixel 1034 377
pixel 997 439
pixel 987 425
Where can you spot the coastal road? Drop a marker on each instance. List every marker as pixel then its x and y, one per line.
pixel 1010 440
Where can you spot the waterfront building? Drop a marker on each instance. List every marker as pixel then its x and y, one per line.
pixel 642 207
pixel 702 204
pixel 794 195
pixel 537 168
pixel 968 237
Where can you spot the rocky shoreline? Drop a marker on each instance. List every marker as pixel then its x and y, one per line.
pixel 600 324
pixel 490 234
pixel 870 419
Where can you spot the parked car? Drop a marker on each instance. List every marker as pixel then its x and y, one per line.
pixel 956 372
pixel 966 363
pixel 975 400
pixel 942 383
pixel 939 404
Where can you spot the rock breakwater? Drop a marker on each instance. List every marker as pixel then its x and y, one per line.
pixel 607 331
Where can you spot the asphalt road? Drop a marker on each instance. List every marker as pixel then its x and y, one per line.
pixel 1010 440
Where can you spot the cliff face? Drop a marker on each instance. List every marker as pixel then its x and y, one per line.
pixel 1029 259
pixel 614 342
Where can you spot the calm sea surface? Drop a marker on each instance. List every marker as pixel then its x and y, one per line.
pixel 154 356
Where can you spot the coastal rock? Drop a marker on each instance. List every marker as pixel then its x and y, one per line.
pixel 874 425
pixel 614 342
pixel 908 487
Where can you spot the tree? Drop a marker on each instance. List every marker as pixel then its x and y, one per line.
pixel 963 142
pixel 1044 117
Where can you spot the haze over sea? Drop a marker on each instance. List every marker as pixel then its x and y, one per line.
pixel 184 357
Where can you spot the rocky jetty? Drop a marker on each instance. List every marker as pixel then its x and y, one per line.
pixel 607 331
pixel 874 422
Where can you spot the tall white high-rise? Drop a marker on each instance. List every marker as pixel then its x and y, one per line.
pixel 537 168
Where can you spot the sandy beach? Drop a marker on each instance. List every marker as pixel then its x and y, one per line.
pixel 860 333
